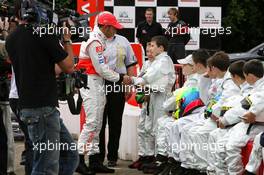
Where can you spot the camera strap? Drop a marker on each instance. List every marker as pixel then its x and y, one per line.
pixel 75 109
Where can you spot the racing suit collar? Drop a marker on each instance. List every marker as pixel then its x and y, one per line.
pixel 163 54
pixel 258 83
pixel 245 88
pixel 244 85
pixel 190 76
pixel 227 75
pixel 111 39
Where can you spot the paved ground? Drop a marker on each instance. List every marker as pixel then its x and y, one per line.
pixel 121 169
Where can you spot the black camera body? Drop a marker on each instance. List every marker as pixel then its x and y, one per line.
pixel 67 83
pixel 41 14
pixel 36 13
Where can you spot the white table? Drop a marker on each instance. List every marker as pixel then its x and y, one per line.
pixel 128 148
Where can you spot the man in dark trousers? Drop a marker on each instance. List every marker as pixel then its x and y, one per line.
pixel 122 60
pixel 3 146
pixel 177 34
pixel 148 28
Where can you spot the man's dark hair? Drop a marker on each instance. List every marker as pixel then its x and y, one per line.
pixel 150 10
pixel 174 11
pixel 161 41
pixel 254 67
pixel 236 68
pixel 219 60
pixel 201 56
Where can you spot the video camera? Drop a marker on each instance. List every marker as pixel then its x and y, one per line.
pixel 44 13
pixel 40 13
pixel 68 85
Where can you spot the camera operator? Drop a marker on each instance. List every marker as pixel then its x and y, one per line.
pixel 7 144
pixel 33 59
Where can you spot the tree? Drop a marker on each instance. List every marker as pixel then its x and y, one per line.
pixel 246 19
pixel 71 4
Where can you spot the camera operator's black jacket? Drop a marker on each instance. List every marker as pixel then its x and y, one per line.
pixel 177 41
pixel 33 59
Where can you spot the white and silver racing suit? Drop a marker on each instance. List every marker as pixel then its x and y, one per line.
pixel 94 99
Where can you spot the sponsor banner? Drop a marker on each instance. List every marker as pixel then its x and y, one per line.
pixel 125 15
pixel 162 16
pixel 210 17
pixel 194 43
pixel 109 2
pixel 146 3
pixel 91 7
pixel 189 3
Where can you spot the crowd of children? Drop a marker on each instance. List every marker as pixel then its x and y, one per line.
pixel 201 127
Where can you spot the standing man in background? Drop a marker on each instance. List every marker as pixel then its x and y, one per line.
pixel 148 28
pixel 178 36
pixel 121 59
pixel 7 148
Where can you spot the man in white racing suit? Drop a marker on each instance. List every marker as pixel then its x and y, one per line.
pixel 94 99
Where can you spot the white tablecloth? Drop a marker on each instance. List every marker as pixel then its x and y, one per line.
pixel 128 148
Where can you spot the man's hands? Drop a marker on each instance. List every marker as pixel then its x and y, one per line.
pixel 249 118
pixel 127 80
pixel 220 124
pixel 214 118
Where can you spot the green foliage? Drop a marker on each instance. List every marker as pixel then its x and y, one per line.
pixel 247 21
pixel 66 4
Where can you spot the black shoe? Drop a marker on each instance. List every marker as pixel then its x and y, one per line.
pixel 84 170
pixel 193 172
pixel 180 171
pixel 111 163
pixel 147 160
pixel 137 163
pixel 100 168
pixel 248 173
pixel 175 166
pixel 157 166
pixel 166 170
